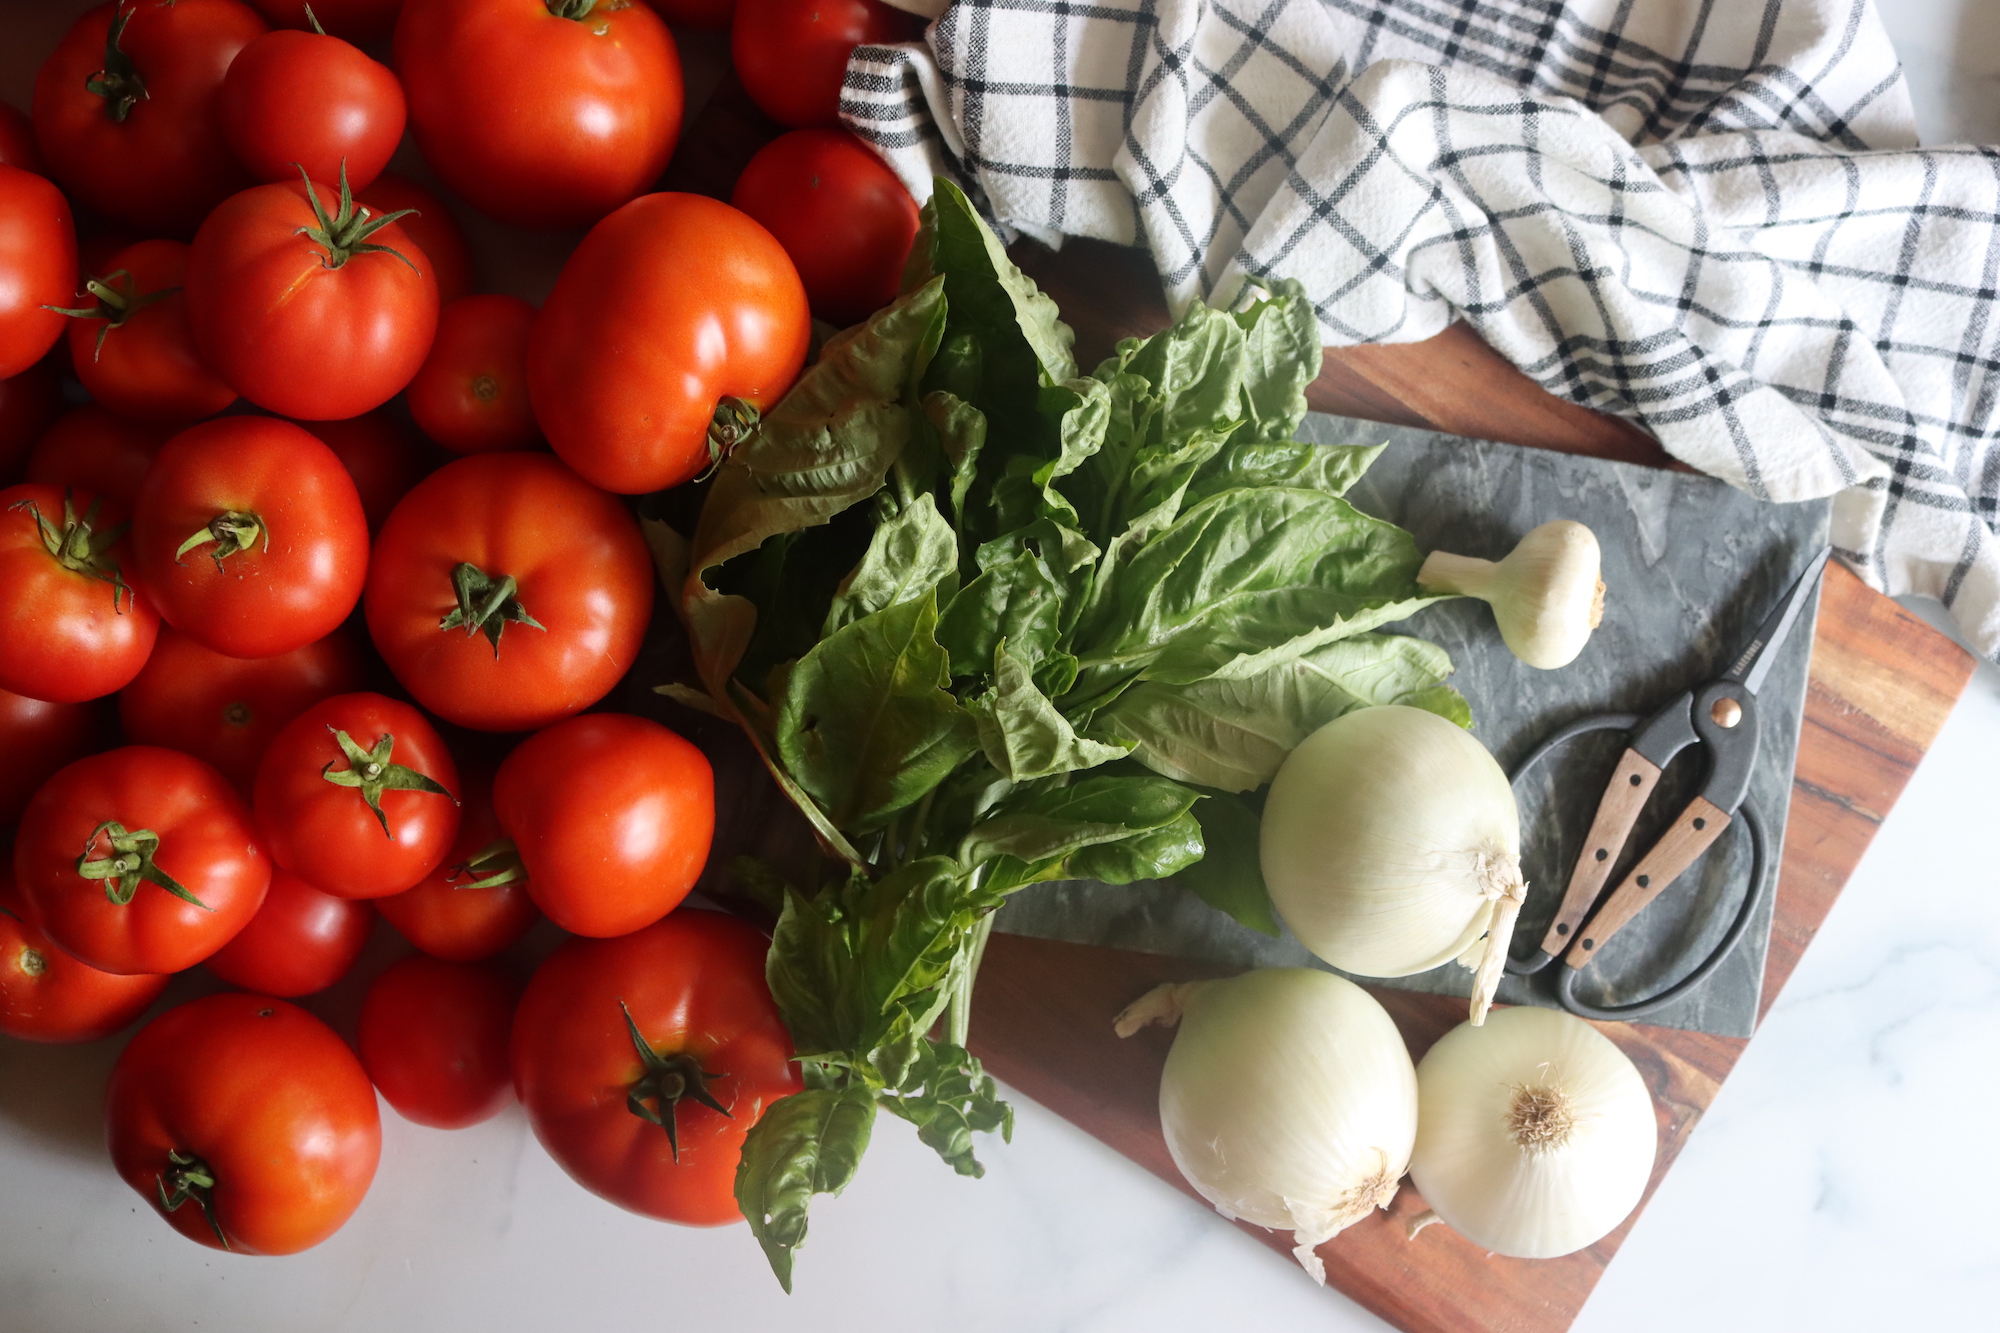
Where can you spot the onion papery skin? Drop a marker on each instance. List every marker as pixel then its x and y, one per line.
pixel 1377 834
pixel 1510 1200
pixel 1289 1100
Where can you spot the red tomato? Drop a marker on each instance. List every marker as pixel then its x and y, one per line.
pixel 245 1122
pixel 582 589
pixel 91 449
pixel 725 330
pixel 302 100
pixel 356 20
pixel 476 902
pixel 300 941
pixel 171 867
pixel 17 142
pixel 711 14
pixel 792 54
pixel 381 455
pixel 71 627
pixel 38 738
pixel 45 995
pixel 471 395
pixel 133 352
pixel 693 987
pixel 28 403
pixel 434 1039
pixel 125 115
pixel 225 710
pixel 356 796
pixel 431 225
pixel 841 214
pixel 249 536
pixel 299 312
pixel 612 816
pixel 37 267
pixel 535 118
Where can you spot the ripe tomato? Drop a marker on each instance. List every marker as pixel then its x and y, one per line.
pixel 382 455
pixel 225 710
pixel 505 592
pixel 246 1122
pixel 300 941
pixel 28 403
pixel 91 449
pixel 430 224
pixel 536 117
pixel 45 995
pixel 125 110
pixel 355 20
pixel 38 738
pixel 307 305
pixel 131 346
pixel 71 627
pixel 725 331
pixel 297 100
pixel 676 1016
pixel 170 869
pixel 434 1039
pixel 17 142
pixel 841 214
pixel 612 816
pixel 792 54
pixel 37 267
pixel 476 902
pixel 471 396
pixel 356 796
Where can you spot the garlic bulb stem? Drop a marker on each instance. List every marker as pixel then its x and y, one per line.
pixel 1547 595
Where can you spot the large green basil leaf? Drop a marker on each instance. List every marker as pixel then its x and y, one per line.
pixel 808 1143
pixel 1019 330
pixel 1281 356
pixel 1019 602
pixel 1300 464
pixel 1048 823
pixel 1023 734
pixel 947 1095
pixel 909 554
pixel 1230 877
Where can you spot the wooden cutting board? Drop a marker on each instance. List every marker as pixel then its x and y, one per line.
pixel 1882 684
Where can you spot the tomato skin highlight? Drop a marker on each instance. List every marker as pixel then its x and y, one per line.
pixel 792 54
pixel 92 449
pixel 206 843
pixel 612 815
pixel 165 164
pixel 37 267
pixel 444 915
pixel 292 335
pixel 304 568
pixel 65 636
pixel 299 99
pixel 325 833
pixel 46 995
pixel 723 315
pixel 226 710
pixel 582 571
pixel 432 227
pixel 37 738
pixel 265 1095
pixel 693 983
pixel 536 119
pixel 471 394
pixel 434 1039
pixel 300 941
pixel 146 368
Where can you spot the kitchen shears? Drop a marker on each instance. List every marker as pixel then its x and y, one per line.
pixel 1721 717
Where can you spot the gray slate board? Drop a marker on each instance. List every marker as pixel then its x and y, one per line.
pixel 1691 567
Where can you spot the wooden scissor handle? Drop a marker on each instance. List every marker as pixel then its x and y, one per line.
pixel 1692 833
pixel 1631 784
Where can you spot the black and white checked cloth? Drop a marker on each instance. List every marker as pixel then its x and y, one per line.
pixel 1707 215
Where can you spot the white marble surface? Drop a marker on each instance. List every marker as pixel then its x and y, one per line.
pixel 1840 1182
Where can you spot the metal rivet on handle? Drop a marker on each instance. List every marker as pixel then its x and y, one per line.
pixel 1726 712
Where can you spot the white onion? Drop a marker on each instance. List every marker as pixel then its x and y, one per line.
pixel 1391 844
pixel 1535 1134
pixel 1288 1099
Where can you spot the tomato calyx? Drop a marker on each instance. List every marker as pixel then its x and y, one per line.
pixel 118 83
pixel 732 423
pixel 491 866
pixel 371 771
pixel 232 530
pixel 666 1081
pixel 578 10
pixel 193 1179
pixel 129 864
pixel 486 605
pixel 345 233
pixel 78 546
pixel 116 303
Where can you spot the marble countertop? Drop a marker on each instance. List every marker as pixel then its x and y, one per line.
pixel 1838 1183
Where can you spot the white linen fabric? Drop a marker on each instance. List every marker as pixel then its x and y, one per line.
pixel 1710 216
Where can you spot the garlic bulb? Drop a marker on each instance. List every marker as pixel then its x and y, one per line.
pixel 1546 595
pixel 1391 844
pixel 1288 1099
pixel 1535 1135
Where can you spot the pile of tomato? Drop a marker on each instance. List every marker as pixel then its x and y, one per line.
pixel 318 567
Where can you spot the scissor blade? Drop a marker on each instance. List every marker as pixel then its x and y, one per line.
pixel 1754 662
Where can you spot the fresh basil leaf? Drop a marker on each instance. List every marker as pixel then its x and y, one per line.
pixel 1281 356
pixel 808 1143
pixel 1230 877
pixel 1148 854
pixel 1443 700
pixel 1023 734
pixel 1021 332
pixel 908 555
pixel 1117 828
pixel 1300 464
pixel 1019 602
pixel 947 1095
pixel 961 431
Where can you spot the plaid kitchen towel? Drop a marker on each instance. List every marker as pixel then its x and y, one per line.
pixel 1708 215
